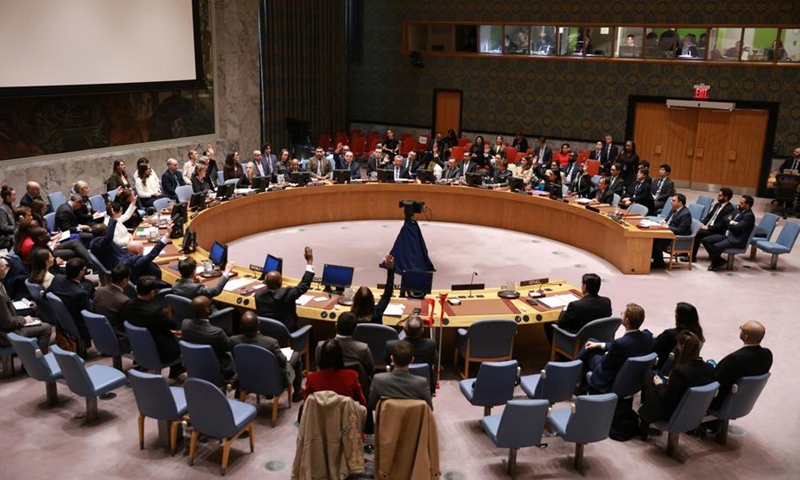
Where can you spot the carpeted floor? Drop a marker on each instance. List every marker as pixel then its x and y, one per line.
pixel 45 442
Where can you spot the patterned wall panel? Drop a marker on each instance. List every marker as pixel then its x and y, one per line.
pixel 557 98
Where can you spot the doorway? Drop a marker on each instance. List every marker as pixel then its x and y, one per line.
pixel 447 111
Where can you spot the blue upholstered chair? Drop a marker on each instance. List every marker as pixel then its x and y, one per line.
pixel 682 245
pixel 705 201
pixel 630 378
pixel 494 385
pixel 180 307
pixel 732 252
pixel 56 199
pixel 184 193
pixel 616 200
pixel 422 370
pixel 103 337
pixel 569 344
pixel 556 382
pixel 520 425
pixel 697 211
pixel 39 366
pixel 66 321
pixel 144 348
pixel 156 399
pixel 260 373
pixel 298 340
pixel 738 403
pixel 375 336
pixel 98 203
pixel 161 203
pixel 102 271
pixel 220 177
pixel 688 415
pixel 50 220
pixel 767 224
pixel 588 420
pixel 485 341
pixel 782 245
pixel 112 195
pixel 201 362
pixel 89 382
pixel 664 213
pixel 216 416
pixel 637 209
pixel 42 305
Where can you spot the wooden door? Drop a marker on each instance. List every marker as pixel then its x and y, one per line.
pixel 447 111
pixel 744 158
pixel 711 148
pixel 666 135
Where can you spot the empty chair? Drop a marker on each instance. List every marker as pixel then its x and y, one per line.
pixel 688 415
pixel 144 348
pixel 664 213
pixel 220 177
pixel 556 383
pixel 103 337
pixel 485 341
pixel 683 245
pixel 156 399
pixel 39 366
pixel 260 373
pixel 161 204
pixel 201 362
pixel 184 192
pixel 616 200
pixel 570 344
pixel 706 202
pixel 588 420
pixel 783 244
pixel 112 195
pixel 297 340
pixel 767 225
pixel 215 416
pixel 421 370
pixel 180 307
pixel 375 336
pixel 98 203
pixel 738 403
pixel 56 199
pixel 66 321
pixel 596 180
pixel 102 271
pixel 732 252
pixel 520 425
pixel 50 220
pixel 697 211
pixel 89 382
pixel 494 385
pixel 637 209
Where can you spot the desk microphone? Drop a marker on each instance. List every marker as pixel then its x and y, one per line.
pixel 474 274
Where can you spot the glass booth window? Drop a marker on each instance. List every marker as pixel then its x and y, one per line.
pixel 790 45
pixel 758 44
pixel 418 37
pixel 570 41
pixel 598 40
pixel 491 39
pixel 661 43
pixel 692 43
pixel 466 38
pixel 725 44
pixel 543 40
pixel 517 40
pixel 629 42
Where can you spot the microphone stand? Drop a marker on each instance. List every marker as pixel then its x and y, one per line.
pixel 474 274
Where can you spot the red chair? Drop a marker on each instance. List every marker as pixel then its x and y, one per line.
pixel 407 144
pixel 423 143
pixel 593 167
pixel 520 156
pixel 358 145
pixel 341 137
pixel 511 154
pixel 583 155
pixel 462 142
pixel 324 141
pixel 372 142
pixel 355 131
pixel 457 153
pixel 404 136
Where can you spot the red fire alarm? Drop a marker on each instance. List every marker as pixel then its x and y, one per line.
pixel 701 91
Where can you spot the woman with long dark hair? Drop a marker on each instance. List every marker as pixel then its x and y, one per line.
pixel 629 160
pixel 41 263
pixel 232 168
pixel 7 223
pixel 686 319
pixel 148 188
pixel 364 307
pixel 119 178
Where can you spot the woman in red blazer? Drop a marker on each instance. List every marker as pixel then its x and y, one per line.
pixel 333 376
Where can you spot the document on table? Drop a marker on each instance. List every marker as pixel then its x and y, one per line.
pixel 558 301
pixel 649 223
pixel 303 300
pixel 236 284
pixel 395 309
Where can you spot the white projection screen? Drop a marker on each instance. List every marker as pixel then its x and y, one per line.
pixel 57 46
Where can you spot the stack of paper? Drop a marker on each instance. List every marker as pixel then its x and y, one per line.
pixel 236 284
pixel 558 301
pixel 394 310
pixel 303 300
pixel 648 223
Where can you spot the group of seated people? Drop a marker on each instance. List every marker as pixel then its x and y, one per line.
pixel 679 365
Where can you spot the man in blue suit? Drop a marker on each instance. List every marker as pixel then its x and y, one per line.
pixel 110 254
pixel 679 221
pixel 739 227
pixel 171 179
pixel 605 360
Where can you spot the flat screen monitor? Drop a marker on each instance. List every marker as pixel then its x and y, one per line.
pixel 218 254
pixel 198 201
pixel 272 264
pixel 188 237
pixel 260 183
pixel 426 176
pixel 300 178
pixel 416 284
pixel 473 179
pixel 337 277
pixel 516 184
pixel 386 176
pixel 341 175
pixel 180 210
pixel 225 191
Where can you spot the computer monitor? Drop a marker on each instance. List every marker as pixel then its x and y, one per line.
pixel 337 277
pixel 198 201
pixel 416 284
pixel 218 254
pixel 386 176
pixel 300 178
pixel 225 191
pixel 180 210
pixel 341 175
pixel 188 241
pixel 426 176
pixel 271 264
pixel 259 183
pixel 516 184
pixel 474 179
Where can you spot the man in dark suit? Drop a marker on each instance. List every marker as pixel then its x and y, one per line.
pixel 319 166
pixel 639 192
pixel 111 254
pixel 11 321
pixel 200 331
pixel 663 189
pixel 400 383
pixel 265 166
pixel 603 194
pixel 144 312
pixel 292 369
pixel 752 359
pixel 609 153
pixel 378 160
pixel 591 307
pixel 739 229
pixel 616 184
pixel 67 286
pixel 351 165
pixel 189 288
pixel 33 191
pixel 716 221
pixel 67 220
pixel 605 360
pixel 679 221
pixel 171 179
pixel 400 172
pixel 520 143
pixel 543 152
pixel 112 299
pixel 423 348
pixel 788 164
pixel 468 165
pixel 277 302
pixel 452 171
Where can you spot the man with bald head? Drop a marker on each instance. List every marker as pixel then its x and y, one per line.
pixel 110 254
pixel 752 359
pixel 199 330
pixel 172 179
pixel 33 191
pixel 277 301
pixel 423 347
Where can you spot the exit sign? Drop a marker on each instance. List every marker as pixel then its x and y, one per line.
pixel 701 91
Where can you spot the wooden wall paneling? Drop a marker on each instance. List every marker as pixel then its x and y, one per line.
pixel 648 131
pixel 711 147
pixel 679 131
pixel 744 155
